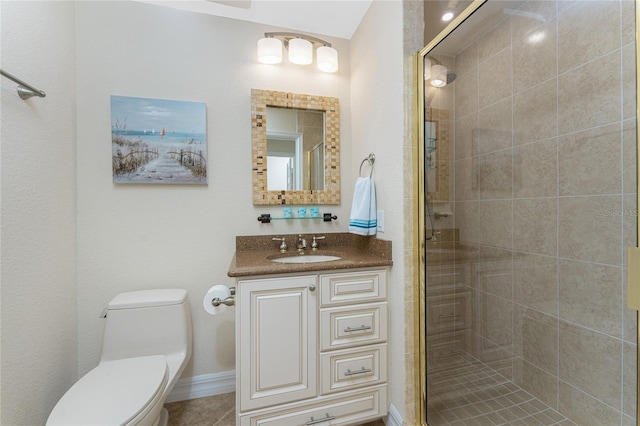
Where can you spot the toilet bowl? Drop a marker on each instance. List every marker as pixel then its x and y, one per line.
pixel 147 343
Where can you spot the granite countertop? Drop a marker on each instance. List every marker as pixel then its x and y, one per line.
pixel 254 253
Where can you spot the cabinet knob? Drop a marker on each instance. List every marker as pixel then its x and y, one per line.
pixel 312 287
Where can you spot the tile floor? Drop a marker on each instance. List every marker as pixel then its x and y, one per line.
pixel 219 410
pixel 466 392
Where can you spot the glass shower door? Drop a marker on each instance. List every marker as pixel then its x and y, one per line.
pixel 528 147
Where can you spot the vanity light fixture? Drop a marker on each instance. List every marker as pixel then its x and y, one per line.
pixel 300 49
pixel 438 75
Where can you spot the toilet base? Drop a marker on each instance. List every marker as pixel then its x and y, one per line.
pixel 164 417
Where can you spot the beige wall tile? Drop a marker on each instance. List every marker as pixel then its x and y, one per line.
pixel 629 81
pixel 590 295
pixel 591 362
pixel 465 131
pixel 535 113
pixel 630 380
pixel 495 174
pixel 526 24
pixel 535 57
pixel 535 338
pixel 496 223
pixel 578 41
pixel 584 409
pixel 589 161
pixel 494 40
pixel 535 282
pixel 467 60
pixel 535 225
pixel 468 221
pixel 537 382
pixel 588 96
pixel 494 78
pixel 495 130
pixel 589 229
pixel 535 169
pixel 466 94
pixel 630 157
pixel 628 22
pixel 494 277
pixel 466 180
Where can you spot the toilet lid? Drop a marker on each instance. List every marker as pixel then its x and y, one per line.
pixel 113 393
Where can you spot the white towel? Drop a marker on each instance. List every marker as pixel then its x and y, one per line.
pixel 363 220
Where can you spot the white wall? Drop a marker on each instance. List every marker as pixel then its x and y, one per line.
pixel 38 223
pixel 377 106
pixel 139 237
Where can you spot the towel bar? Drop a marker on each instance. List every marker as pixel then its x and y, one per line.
pixel 370 159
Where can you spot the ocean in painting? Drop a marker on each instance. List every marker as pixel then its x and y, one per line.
pixel 155 151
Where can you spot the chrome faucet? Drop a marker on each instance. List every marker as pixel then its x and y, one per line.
pixel 314 243
pixel 283 247
pixel 301 244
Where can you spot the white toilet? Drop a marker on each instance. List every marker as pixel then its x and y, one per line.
pixel 146 346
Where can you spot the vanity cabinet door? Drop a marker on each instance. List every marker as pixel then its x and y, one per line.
pixel 276 331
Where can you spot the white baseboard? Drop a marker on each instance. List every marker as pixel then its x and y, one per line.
pixel 394 418
pixel 204 385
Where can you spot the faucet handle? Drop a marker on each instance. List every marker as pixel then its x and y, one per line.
pixel 314 243
pixel 283 247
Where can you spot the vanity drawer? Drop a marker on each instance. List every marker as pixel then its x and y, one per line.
pixel 353 368
pixel 348 326
pixel 353 287
pixel 347 409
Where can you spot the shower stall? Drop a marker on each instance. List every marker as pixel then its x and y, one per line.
pixel 527 144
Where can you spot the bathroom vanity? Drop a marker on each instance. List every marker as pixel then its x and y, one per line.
pixel 311 338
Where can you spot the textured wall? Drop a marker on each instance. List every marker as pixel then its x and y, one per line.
pixel 39 325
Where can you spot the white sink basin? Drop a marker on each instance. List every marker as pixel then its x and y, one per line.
pixel 305 259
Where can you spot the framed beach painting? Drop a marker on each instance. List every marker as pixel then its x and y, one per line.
pixel 157 141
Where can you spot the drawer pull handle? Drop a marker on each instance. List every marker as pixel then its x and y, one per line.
pixel 361 328
pixel 353 373
pixel 449 316
pixel 315 422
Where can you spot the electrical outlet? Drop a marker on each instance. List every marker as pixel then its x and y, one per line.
pixel 380 220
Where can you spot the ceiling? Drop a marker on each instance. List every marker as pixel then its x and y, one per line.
pixel 335 18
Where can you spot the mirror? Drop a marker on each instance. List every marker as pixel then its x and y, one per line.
pixel 436 153
pixel 295 148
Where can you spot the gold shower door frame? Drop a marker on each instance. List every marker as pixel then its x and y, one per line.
pixel 633 274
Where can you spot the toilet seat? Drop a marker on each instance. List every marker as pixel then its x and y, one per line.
pixel 114 393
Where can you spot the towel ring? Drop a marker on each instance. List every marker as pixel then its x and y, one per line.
pixel 370 159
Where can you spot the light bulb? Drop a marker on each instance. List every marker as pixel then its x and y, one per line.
pixel 438 76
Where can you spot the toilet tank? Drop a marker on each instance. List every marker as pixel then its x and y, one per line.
pixel 148 322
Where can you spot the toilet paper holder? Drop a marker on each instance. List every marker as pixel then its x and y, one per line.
pixel 229 301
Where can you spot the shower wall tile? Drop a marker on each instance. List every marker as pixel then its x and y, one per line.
pixel 536 381
pixel 592 362
pixel 496 128
pixel 535 113
pixel 583 409
pixel 535 225
pixel 466 180
pixel 629 215
pixel 628 21
pixel 589 161
pixel 535 57
pixel 630 380
pixel 467 220
pixel 578 43
pixel 630 156
pixel 467 60
pixel 539 12
pixel 495 223
pixel 629 81
pixel 589 229
pixel 590 295
pixel 495 174
pixel 494 78
pixel 466 94
pixel 494 40
pixel 494 277
pixel 535 169
pixel 589 97
pixel 535 282
pixel 465 131
pixel 535 338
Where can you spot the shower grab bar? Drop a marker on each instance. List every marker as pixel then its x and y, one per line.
pixel 25 90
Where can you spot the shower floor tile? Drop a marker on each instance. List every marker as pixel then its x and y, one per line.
pixel 467 392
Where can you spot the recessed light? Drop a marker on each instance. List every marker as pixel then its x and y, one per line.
pixel 447 16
